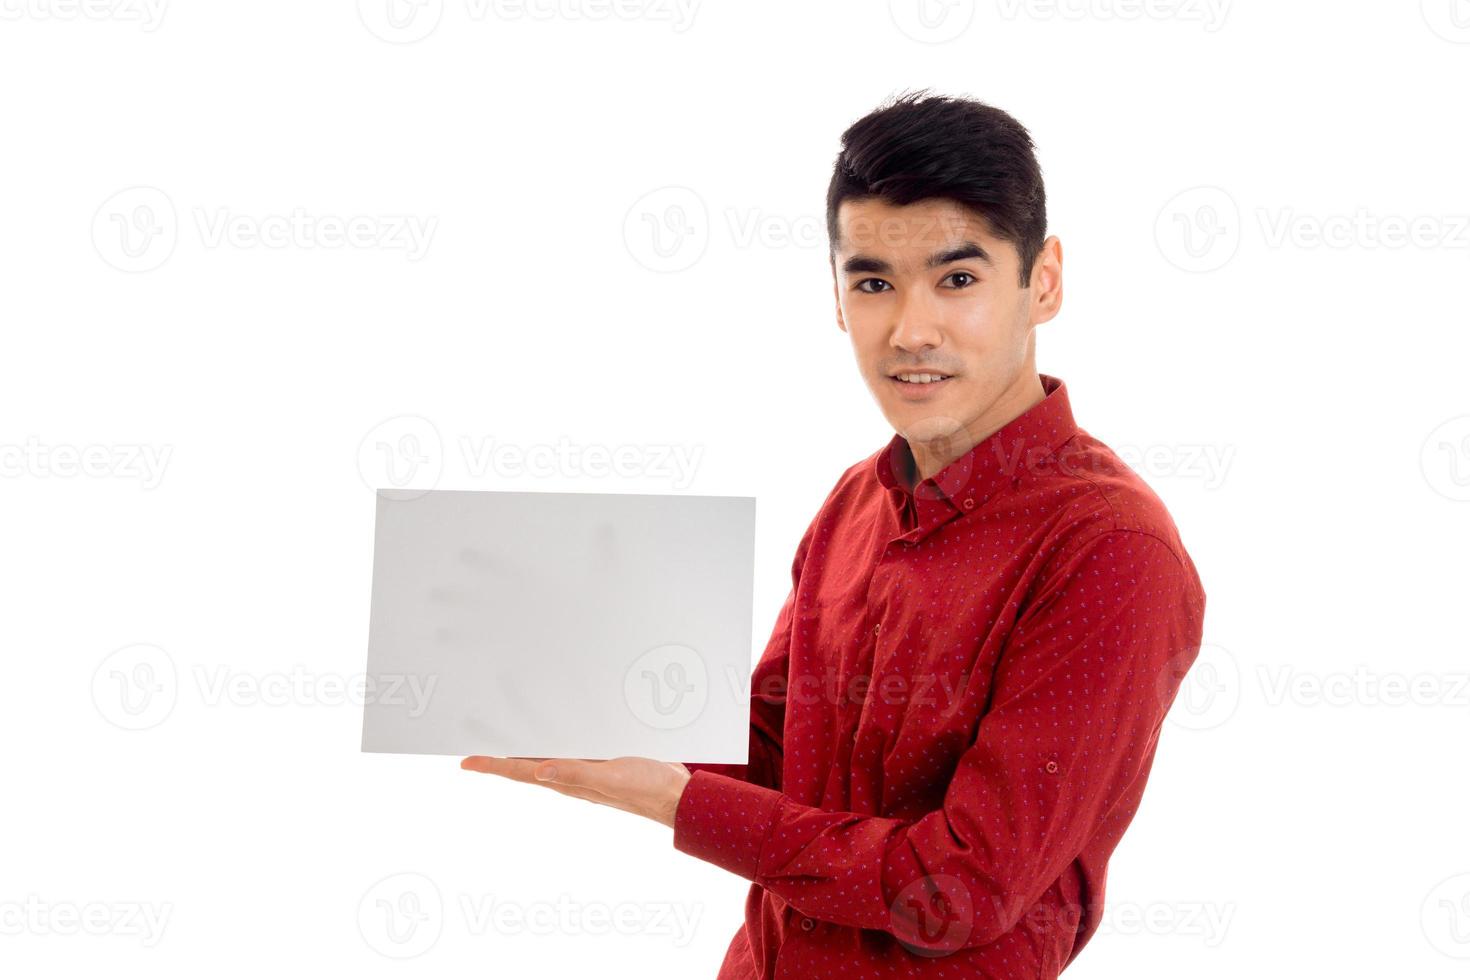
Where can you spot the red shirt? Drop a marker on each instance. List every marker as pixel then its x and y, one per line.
pixel 955 715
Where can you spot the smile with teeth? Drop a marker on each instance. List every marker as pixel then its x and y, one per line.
pixel 921 379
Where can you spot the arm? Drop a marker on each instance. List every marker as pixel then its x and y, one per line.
pixel 1080 691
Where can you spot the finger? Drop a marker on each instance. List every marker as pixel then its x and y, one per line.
pixel 595 775
pixel 541 770
pixel 512 768
pixel 521 770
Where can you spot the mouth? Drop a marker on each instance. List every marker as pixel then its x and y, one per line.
pixel 920 384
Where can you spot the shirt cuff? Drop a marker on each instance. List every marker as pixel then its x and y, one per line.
pixel 725 821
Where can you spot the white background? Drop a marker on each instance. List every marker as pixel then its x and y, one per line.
pixel 1232 184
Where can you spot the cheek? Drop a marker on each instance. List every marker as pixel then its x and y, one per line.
pixel 866 331
pixel 978 313
pixel 984 326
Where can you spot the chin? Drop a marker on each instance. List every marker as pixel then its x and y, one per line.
pixel 928 427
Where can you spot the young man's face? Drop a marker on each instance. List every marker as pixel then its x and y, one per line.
pixel 928 287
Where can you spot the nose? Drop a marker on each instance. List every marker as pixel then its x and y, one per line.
pixel 916 326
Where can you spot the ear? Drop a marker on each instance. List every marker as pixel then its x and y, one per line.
pixel 836 297
pixel 1046 281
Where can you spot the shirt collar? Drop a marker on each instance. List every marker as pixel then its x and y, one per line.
pixel 1026 442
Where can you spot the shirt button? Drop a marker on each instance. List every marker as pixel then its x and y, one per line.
pixel 808 924
pixel 876 628
pixel 969 504
pixel 1051 767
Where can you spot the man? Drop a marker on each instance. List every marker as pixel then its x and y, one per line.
pixel 954 718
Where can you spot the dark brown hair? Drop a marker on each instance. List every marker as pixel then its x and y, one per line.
pixel 920 146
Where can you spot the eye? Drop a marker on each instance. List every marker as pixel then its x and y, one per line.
pixel 962 285
pixel 861 285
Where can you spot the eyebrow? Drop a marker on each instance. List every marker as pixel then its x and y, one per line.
pixel 965 250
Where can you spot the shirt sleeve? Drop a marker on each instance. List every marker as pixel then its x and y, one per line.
pixel 1080 691
pixel 768 692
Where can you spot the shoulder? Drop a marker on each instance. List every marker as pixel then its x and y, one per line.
pixel 856 484
pixel 1097 495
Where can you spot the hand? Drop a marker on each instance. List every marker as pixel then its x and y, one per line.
pixel 646 787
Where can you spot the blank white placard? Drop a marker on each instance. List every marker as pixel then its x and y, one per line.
pixel 574 625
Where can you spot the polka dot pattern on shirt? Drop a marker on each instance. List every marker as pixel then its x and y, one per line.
pixel 956 713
